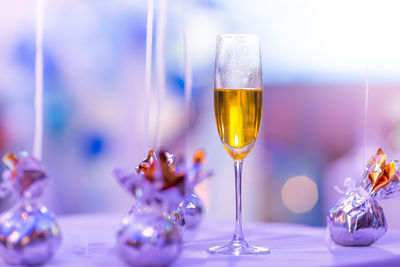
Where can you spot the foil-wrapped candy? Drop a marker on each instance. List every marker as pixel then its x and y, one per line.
pixel 148 236
pixel 191 209
pixel 382 179
pixel 357 219
pixel 29 233
pixel 152 179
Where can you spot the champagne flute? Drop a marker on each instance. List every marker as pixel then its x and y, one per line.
pixel 238 98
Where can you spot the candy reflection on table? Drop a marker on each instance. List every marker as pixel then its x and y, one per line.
pixel 357 219
pixel 29 233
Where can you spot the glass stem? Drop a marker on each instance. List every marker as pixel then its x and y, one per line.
pixel 238 236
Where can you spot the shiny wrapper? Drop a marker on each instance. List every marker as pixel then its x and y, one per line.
pixel 381 178
pixel 29 233
pixel 155 180
pixel 190 211
pixel 25 175
pixel 148 236
pixel 357 219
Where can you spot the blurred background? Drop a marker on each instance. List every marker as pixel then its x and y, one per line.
pixel 314 69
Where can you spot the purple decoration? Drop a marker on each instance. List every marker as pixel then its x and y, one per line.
pixel 29 233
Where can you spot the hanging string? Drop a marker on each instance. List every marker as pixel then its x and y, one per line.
pixel 38 131
pixel 188 84
pixel 147 79
pixel 366 83
pixel 160 66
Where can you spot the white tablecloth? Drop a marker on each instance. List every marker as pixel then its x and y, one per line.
pixel 88 240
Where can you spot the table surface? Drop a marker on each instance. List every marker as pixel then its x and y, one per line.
pixel 88 240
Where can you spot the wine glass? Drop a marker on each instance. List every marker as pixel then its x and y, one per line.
pixel 238 100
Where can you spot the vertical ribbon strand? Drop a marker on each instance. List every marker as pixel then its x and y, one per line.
pixel 160 67
pixel 38 132
pixel 147 78
pixel 366 83
pixel 188 83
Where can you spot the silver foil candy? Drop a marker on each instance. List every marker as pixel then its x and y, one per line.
pixel 148 238
pixel 147 235
pixel 191 209
pixel 357 219
pixel 29 233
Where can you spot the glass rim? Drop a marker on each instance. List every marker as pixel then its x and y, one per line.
pixel 237 35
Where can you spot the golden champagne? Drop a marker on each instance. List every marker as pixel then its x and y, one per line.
pixel 238 115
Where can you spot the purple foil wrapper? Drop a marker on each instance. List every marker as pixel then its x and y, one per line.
pixel 29 233
pixel 148 236
pixel 191 209
pixel 357 219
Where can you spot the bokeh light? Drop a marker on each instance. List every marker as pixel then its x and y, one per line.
pixel 299 194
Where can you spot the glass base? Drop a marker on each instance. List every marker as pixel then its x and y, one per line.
pixel 238 247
